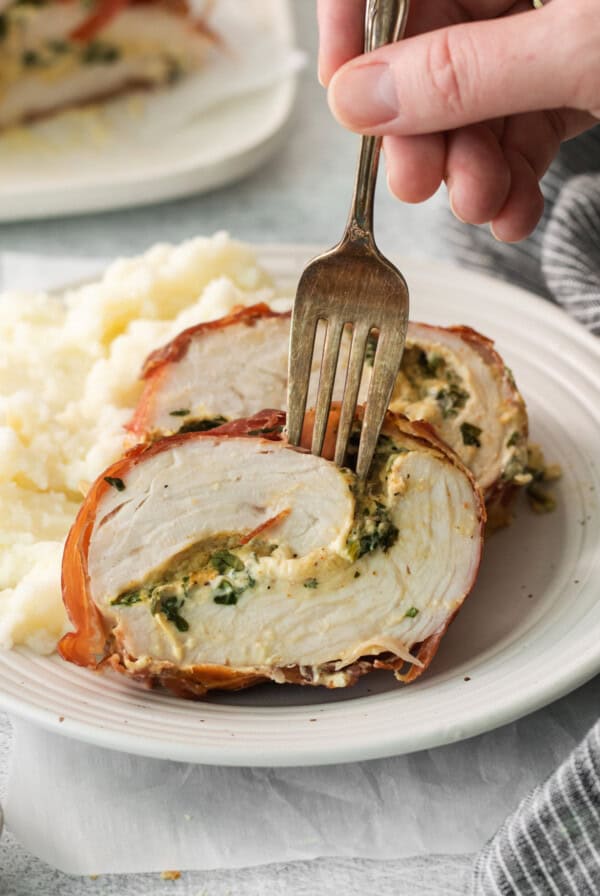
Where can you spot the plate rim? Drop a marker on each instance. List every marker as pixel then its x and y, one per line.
pixel 532 697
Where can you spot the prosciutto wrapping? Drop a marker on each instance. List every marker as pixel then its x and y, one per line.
pixel 452 377
pixel 60 53
pixel 225 558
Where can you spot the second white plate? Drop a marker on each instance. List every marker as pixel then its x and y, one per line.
pixel 527 635
pixel 94 160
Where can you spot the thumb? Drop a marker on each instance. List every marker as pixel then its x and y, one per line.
pixel 444 79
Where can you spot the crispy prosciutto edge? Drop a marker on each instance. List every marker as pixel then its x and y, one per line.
pixel 93 646
pixel 156 364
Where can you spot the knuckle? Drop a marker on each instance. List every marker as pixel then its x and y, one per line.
pixel 448 69
pixel 557 125
pixel 580 44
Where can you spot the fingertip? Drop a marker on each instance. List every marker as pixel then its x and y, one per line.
pixel 477 174
pixel 362 96
pixel 524 206
pixel 324 71
pixel 452 204
pixel 340 35
pixel 415 166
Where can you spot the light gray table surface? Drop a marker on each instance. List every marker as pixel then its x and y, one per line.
pixel 301 195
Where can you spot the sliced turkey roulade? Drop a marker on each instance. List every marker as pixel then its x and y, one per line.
pixel 225 558
pixel 451 377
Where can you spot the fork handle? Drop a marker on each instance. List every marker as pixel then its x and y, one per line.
pixel 385 21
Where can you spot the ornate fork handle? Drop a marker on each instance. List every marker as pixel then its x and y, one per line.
pixel 385 23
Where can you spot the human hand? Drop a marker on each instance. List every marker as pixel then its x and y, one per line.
pixel 480 94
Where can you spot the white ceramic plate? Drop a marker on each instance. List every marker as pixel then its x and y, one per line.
pixel 77 165
pixel 528 634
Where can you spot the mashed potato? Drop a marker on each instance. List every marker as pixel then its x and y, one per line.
pixel 68 383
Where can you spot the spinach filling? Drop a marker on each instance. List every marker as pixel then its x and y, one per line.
pixel 373 527
pixel 470 434
pixel 200 425
pixel 451 400
pixel 210 564
pixel 426 374
pixel 100 53
pixel 373 530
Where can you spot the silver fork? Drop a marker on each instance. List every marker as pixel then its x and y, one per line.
pixel 352 284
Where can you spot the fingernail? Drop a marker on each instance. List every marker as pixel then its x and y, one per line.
pixel 452 208
pixel 363 96
pixel 320 74
pixel 494 234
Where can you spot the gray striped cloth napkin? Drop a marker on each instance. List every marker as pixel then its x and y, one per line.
pixel 551 844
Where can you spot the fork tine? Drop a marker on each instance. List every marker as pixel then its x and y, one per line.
pixel 329 363
pixel 356 363
pixel 385 369
pixel 302 345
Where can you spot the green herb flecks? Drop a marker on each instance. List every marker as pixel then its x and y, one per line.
pixel 514 467
pixel 115 482
pixel 430 363
pixel 58 47
pixel 180 412
pixel 31 59
pixel 236 581
pixel 224 561
pixel 202 425
pixel 100 53
pixel 175 70
pixel 540 500
pixel 127 599
pixel 373 530
pixel 514 439
pixel 411 613
pixel 170 605
pixel 470 434
pixel 451 400
pixel 228 592
pixel 310 583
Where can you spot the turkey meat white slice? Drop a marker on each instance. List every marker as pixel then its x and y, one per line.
pixel 221 559
pixel 222 370
pixel 61 54
pixel 451 377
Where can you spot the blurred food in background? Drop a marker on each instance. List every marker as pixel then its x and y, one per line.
pixel 56 54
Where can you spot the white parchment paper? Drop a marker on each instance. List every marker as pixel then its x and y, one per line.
pixel 90 811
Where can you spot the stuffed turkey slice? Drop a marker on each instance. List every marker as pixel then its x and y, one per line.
pixel 451 377
pixel 225 558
